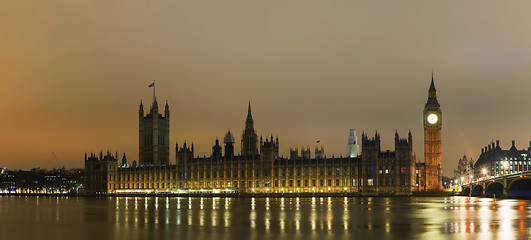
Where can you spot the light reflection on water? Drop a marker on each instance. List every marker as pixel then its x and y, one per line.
pixel 229 218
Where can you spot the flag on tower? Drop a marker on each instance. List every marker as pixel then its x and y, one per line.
pixel 152 84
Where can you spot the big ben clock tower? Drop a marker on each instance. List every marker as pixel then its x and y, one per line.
pixel 432 140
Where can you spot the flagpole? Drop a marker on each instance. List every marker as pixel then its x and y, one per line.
pixel 154 98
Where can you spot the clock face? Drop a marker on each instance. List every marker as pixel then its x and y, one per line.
pixel 432 118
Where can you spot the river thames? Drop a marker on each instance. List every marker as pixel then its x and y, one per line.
pixel 263 218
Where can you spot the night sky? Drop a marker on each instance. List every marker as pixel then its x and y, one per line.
pixel 73 73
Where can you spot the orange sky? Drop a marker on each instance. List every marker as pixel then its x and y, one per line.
pixel 73 73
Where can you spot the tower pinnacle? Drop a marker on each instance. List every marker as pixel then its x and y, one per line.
pixel 249 122
pixel 432 95
pixel 432 86
pixel 249 137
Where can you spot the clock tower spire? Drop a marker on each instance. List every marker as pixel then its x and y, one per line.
pixel 432 118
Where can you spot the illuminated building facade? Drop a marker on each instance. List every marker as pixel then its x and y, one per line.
pixel 387 171
pixel 494 161
pixel 260 169
pixel 431 170
pixel 465 169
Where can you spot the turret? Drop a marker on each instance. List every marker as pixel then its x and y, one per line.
pixel 229 145
pixel 124 160
pixel 293 153
pixel 167 110
pixel 216 150
pixel 155 109
pixel 269 149
pixel 396 137
pixel 352 144
pixel 319 153
pixel 183 154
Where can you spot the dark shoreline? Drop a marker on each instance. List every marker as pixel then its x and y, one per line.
pixel 243 195
pixel 259 195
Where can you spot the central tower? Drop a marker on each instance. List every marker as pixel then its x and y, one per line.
pixel 249 137
pixel 432 140
pixel 154 134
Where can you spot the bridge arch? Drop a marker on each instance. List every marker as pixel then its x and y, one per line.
pixel 494 188
pixel 520 188
pixel 466 191
pixel 477 191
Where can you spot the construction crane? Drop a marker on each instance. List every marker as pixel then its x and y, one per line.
pixel 55 157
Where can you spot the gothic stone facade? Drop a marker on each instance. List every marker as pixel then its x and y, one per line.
pixel 432 118
pixel 154 135
pixel 260 169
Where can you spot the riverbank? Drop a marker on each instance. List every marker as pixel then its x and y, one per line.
pixel 242 195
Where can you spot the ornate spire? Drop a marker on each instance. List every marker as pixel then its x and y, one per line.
pixel 167 109
pixel 432 95
pixel 432 85
pixel 249 137
pixel 249 123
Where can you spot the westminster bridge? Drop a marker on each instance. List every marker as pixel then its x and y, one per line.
pixel 517 185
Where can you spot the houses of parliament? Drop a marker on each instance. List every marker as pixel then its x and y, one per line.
pixel 258 169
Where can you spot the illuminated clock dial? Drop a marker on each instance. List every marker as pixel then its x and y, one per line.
pixel 432 118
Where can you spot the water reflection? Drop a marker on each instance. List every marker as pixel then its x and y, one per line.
pixel 308 218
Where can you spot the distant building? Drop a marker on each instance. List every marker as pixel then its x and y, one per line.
pixel 465 169
pixel 495 161
pixel 41 181
pixel 352 145
pixel 100 172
